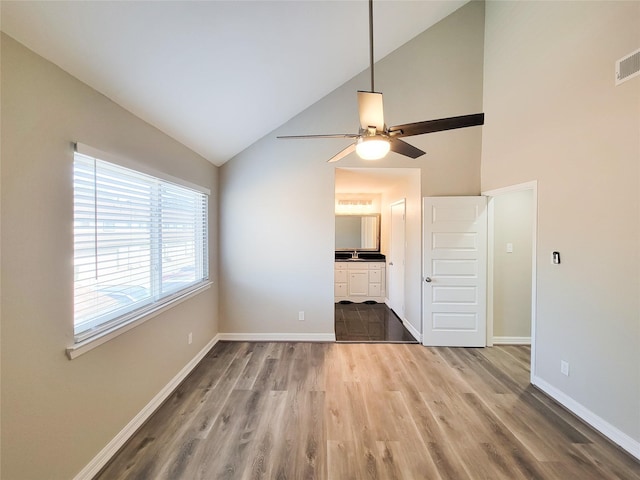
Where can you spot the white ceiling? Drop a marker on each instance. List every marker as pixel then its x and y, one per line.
pixel 216 75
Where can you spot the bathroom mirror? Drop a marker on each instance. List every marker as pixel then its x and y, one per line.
pixel 358 232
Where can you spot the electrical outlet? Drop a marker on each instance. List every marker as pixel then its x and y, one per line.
pixel 301 315
pixel 564 367
pixel 190 338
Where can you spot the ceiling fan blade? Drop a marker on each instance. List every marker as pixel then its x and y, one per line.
pixel 343 153
pixel 431 126
pixel 403 148
pixel 333 135
pixel 370 110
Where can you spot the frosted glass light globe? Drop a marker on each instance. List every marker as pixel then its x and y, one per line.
pixel 372 148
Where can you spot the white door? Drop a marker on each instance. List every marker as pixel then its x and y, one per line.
pixel 395 271
pixel 454 271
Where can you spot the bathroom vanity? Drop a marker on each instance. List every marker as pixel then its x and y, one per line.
pixel 360 280
pixel 359 269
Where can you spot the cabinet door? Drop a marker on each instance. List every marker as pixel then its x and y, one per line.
pixel 359 282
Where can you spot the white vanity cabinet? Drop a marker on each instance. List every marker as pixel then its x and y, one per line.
pixel 359 281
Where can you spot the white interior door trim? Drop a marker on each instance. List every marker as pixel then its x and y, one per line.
pixel 533 186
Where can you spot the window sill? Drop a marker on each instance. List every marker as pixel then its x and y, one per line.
pixel 89 344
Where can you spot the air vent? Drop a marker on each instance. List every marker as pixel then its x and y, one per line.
pixel 628 67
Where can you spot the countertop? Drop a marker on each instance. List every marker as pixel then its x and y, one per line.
pixel 362 257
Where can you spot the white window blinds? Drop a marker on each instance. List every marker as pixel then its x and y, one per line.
pixel 139 241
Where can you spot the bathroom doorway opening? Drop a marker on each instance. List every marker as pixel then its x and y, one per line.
pixel 362 309
pixel 511 266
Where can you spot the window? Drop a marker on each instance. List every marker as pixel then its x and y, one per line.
pixel 139 243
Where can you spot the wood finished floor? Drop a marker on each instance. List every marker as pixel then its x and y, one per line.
pixel 365 411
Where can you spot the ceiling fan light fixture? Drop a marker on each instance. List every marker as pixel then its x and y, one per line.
pixel 372 148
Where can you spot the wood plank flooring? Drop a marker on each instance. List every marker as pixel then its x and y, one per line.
pixel 365 411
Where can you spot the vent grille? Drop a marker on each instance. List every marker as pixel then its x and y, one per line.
pixel 628 67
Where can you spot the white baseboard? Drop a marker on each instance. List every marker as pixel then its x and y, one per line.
pixel 412 330
pixel 100 460
pixel 278 337
pixel 612 433
pixel 512 340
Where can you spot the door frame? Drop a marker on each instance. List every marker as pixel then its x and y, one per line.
pixel 491 194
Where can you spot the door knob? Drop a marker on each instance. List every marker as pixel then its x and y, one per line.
pixel 427 279
pixel 391 264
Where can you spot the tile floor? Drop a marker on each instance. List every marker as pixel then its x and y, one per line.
pixel 362 322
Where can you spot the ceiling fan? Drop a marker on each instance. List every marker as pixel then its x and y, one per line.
pixel 374 139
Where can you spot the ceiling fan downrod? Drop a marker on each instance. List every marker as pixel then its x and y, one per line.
pixel 371 41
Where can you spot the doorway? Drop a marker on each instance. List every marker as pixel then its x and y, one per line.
pixel 385 192
pixel 511 269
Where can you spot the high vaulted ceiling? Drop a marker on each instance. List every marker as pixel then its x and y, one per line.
pixel 216 75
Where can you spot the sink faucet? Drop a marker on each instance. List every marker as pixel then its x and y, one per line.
pixel 354 254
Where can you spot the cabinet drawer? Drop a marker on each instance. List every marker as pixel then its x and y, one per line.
pixel 340 265
pixel 374 290
pixel 376 266
pixel 340 290
pixel 340 276
pixel 375 276
pixel 357 265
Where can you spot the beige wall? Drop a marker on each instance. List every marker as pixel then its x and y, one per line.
pixel 58 414
pixel 513 224
pixel 277 197
pixel 553 114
